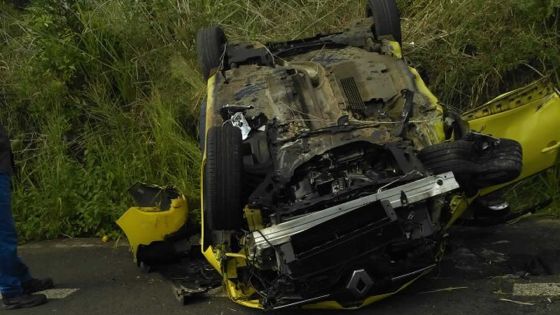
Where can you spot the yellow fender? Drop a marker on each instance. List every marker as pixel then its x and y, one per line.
pixel 144 225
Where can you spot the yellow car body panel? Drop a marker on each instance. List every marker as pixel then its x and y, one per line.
pixel 144 225
pixel 528 115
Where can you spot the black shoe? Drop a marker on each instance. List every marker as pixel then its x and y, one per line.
pixel 36 285
pixel 24 301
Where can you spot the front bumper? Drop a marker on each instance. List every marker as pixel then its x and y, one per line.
pixel 302 251
pixel 390 199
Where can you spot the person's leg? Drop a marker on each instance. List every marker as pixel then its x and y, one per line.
pixel 16 284
pixel 12 270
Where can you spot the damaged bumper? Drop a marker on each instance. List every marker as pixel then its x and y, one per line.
pixel 346 256
pixel 161 213
pixel 384 201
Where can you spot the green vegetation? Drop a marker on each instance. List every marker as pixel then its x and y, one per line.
pixel 473 50
pixel 100 94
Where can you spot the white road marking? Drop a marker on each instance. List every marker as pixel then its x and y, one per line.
pixel 536 289
pixel 56 294
pixel 517 302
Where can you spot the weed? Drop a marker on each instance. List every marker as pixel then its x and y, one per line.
pixel 100 94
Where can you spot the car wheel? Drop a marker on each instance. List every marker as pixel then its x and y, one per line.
pixel 460 149
pixel 210 46
pixel 500 163
pixel 222 179
pixel 454 156
pixel 386 18
pixel 457 166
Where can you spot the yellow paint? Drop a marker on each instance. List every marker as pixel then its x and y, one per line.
pixel 143 226
pixel 231 269
pixel 394 48
pixel 209 116
pixel 528 115
pixel 434 129
pixel 212 258
pixel 254 218
pixel 238 296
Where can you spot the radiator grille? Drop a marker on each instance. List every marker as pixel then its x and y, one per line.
pixel 353 96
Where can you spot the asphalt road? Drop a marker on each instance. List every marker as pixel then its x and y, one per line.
pixel 479 276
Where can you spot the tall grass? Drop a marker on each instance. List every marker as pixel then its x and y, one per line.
pixel 472 50
pixel 100 94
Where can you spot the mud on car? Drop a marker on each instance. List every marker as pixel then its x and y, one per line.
pixel 330 172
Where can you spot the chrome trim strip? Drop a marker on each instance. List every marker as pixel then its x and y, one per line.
pixel 315 299
pixel 414 192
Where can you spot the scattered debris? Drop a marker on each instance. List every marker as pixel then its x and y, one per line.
pixel 517 302
pixel 516 220
pixel 501 242
pixel 493 256
pixel 444 290
pixel 61 293
pixel 57 294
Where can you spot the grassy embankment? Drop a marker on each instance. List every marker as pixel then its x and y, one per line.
pixel 100 94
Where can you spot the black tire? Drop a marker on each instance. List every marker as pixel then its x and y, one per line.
pixel 474 167
pixel 386 18
pixel 457 166
pixel 222 179
pixel 210 46
pixel 459 149
pixel 499 164
pixel 504 149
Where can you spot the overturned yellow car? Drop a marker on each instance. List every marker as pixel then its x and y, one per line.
pixel 331 174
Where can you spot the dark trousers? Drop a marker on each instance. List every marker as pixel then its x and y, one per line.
pixel 12 270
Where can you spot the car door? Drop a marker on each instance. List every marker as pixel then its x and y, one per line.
pixel 530 115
